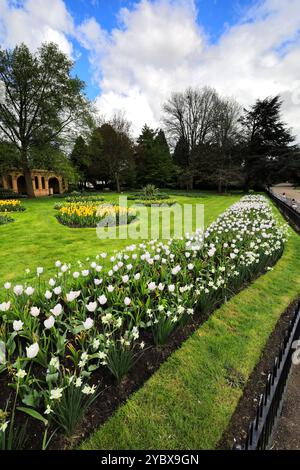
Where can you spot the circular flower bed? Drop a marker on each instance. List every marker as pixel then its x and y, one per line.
pixel 90 215
pixel 11 205
pixel 86 198
pixel 155 202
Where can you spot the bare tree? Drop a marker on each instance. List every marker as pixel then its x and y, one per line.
pixel 190 115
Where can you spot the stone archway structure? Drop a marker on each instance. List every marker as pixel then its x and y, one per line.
pixel 45 183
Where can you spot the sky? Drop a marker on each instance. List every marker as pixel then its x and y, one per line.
pixel 134 54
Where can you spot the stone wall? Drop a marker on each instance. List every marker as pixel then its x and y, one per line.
pixel 45 183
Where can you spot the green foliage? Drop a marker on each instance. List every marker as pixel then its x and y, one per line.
pixel 267 144
pixel 120 359
pixel 49 100
pixel 5 219
pixel 71 408
pixel 154 163
pixel 111 157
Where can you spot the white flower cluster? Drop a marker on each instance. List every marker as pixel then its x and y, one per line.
pixel 85 314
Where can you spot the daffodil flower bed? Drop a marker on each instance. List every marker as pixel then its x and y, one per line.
pixel 90 214
pixel 11 205
pixel 65 335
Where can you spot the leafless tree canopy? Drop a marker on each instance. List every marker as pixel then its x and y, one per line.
pixel 191 115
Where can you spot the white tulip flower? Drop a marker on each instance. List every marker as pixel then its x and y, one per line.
pixel 49 323
pixel 29 291
pixel 57 310
pixel 91 307
pixel 18 290
pixel 34 311
pixel 18 325
pixel 88 324
pixel 4 307
pixel 102 299
pixel 32 351
pixel 127 301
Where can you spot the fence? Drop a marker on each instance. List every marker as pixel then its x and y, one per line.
pixel 290 213
pixel 261 430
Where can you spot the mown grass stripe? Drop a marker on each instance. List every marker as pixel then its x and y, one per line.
pixel 188 402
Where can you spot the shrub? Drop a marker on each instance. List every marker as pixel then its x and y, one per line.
pixel 4 219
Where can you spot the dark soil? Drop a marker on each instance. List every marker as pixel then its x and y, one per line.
pixel 247 406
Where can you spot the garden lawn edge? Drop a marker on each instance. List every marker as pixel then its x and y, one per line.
pixel 188 403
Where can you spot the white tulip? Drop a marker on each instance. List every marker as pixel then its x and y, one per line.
pixel 34 311
pixel 4 307
pixel 18 290
pixel 18 325
pixel 73 295
pixel 49 323
pixel 88 324
pixel 32 351
pixel 48 295
pixel 102 299
pixel 91 307
pixel 127 301
pixel 29 291
pixel 57 310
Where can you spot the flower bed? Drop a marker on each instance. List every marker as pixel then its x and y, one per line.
pixel 11 205
pixel 4 219
pixel 155 202
pixel 90 214
pixel 79 329
pixel 86 198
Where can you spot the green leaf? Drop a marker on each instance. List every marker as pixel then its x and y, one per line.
pixel 33 413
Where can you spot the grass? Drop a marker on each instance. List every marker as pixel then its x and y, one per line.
pixel 188 402
pixel 37 239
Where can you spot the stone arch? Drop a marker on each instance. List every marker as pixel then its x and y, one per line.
pixel 54 185
pixel 21 183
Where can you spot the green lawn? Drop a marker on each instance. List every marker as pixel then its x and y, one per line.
pixel 188 402
pixel 37 239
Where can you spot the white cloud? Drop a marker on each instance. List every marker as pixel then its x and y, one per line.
pixel 32 22
pixel 159 48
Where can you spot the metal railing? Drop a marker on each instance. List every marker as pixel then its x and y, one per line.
pixel 290 211
pixel 262 428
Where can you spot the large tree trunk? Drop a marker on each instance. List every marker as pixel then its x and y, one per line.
pixel 220 187
pixel 118 183
pixel 29 185
pixel 27 173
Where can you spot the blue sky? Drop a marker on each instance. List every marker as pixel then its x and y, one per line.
pixel 133 54
pixel 214 16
